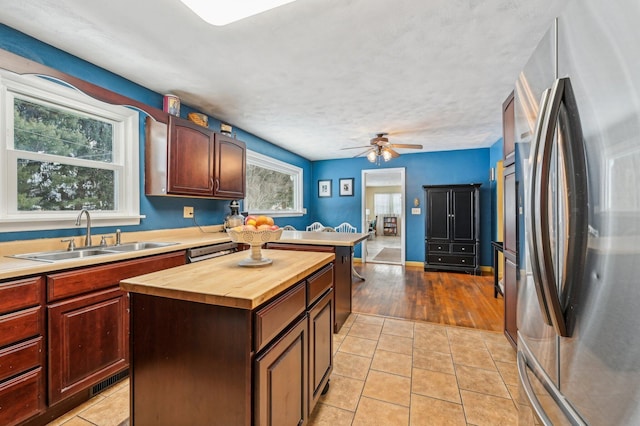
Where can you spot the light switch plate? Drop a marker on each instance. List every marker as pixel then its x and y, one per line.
pixel 415 210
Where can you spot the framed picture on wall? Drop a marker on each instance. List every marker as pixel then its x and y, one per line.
pixel 324 188
pixel 346 187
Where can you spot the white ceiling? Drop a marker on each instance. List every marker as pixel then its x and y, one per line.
pixel 314 76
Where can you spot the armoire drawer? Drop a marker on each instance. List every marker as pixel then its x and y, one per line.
pixel 456 260
pixel 459 248
pixel 438 247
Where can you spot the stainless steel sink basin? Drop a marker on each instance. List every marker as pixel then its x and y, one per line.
pixel 137 246
pixel 54 256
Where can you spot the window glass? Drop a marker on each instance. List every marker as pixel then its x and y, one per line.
pixel 273 187
pixel 55 186
pixel 52 130
pixel 387 204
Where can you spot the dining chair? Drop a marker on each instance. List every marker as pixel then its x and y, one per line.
pixel 288 228
pixel 315 226
pixel 328 229
pixel 346 227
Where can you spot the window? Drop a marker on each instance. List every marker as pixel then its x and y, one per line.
pixel 387 204
pixel 273 187
pixel 62 152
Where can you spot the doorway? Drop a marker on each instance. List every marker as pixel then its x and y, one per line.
pixel 383 215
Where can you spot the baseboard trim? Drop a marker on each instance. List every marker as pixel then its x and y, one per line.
pixel 414 264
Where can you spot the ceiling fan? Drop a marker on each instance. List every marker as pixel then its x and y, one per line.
pixel 381 148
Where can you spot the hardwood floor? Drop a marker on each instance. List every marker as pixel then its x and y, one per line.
pixel 447 298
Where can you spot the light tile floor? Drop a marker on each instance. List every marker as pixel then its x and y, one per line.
pixel 389 372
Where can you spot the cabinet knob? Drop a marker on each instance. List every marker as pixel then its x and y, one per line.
pixel 462 260
pixel 462 248
pixel 439 259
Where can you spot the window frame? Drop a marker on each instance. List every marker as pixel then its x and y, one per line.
pixel 266 162
pixel 125 163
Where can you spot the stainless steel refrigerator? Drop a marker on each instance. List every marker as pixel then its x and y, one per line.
pixel 578 170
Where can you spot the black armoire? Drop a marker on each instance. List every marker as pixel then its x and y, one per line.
pixel 452 227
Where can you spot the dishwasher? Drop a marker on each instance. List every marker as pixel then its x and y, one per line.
pixel 198 254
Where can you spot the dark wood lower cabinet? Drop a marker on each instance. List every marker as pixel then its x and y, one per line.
pixel 281 379
pixel 22 397
pixel 510 300
pixel 90 337
pixel 320 347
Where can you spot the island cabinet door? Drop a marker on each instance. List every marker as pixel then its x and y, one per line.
pixel 320 347
pixel 281 380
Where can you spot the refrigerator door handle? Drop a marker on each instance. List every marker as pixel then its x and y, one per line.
pixel 562 107
pixel 532 235
pixel 576 190
pixel 529 392
pixel 541 219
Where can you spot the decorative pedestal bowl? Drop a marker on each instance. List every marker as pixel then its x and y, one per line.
pixel 255 239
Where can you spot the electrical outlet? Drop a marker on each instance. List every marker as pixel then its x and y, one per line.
pixel 188 212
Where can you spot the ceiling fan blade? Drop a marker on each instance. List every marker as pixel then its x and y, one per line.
pixel 393 153
pixel 363 152
pixel 355 147
pixel 406 145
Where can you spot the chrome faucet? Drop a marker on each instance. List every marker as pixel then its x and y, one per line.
pixel 87 239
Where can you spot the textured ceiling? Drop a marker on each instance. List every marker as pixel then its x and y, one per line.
pixel 314 76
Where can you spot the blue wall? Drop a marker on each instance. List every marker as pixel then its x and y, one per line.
pixel 161 212
pixel 431 168
pixel 449 167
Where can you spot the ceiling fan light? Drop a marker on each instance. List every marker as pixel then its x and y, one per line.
pixel 371 156
pixel 386 155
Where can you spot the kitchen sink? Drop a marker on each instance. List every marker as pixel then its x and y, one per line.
pixel 137 246
pixel 54 256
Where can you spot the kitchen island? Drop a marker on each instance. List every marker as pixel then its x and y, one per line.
pixel 339 243
pixel 216 343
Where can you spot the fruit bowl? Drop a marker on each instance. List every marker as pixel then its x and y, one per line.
pixel 255 239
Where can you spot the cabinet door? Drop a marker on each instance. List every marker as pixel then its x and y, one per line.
pixel 87 341
pixel 191 156
pixel 463 215
pixel 508 129
pixel 22 397
pixel 510 211
pixel 230 168
pixel 438 214
pixel 510 300
pixel 281 380
pixel 320 347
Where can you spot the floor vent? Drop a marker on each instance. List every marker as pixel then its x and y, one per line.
pixel 107 383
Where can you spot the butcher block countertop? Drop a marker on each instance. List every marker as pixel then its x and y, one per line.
pixel 221 281
pixel 322 238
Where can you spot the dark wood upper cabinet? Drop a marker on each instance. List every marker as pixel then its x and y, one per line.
pixel 191 156
pixel 230 171
pixel 508 130
pixel 185 159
